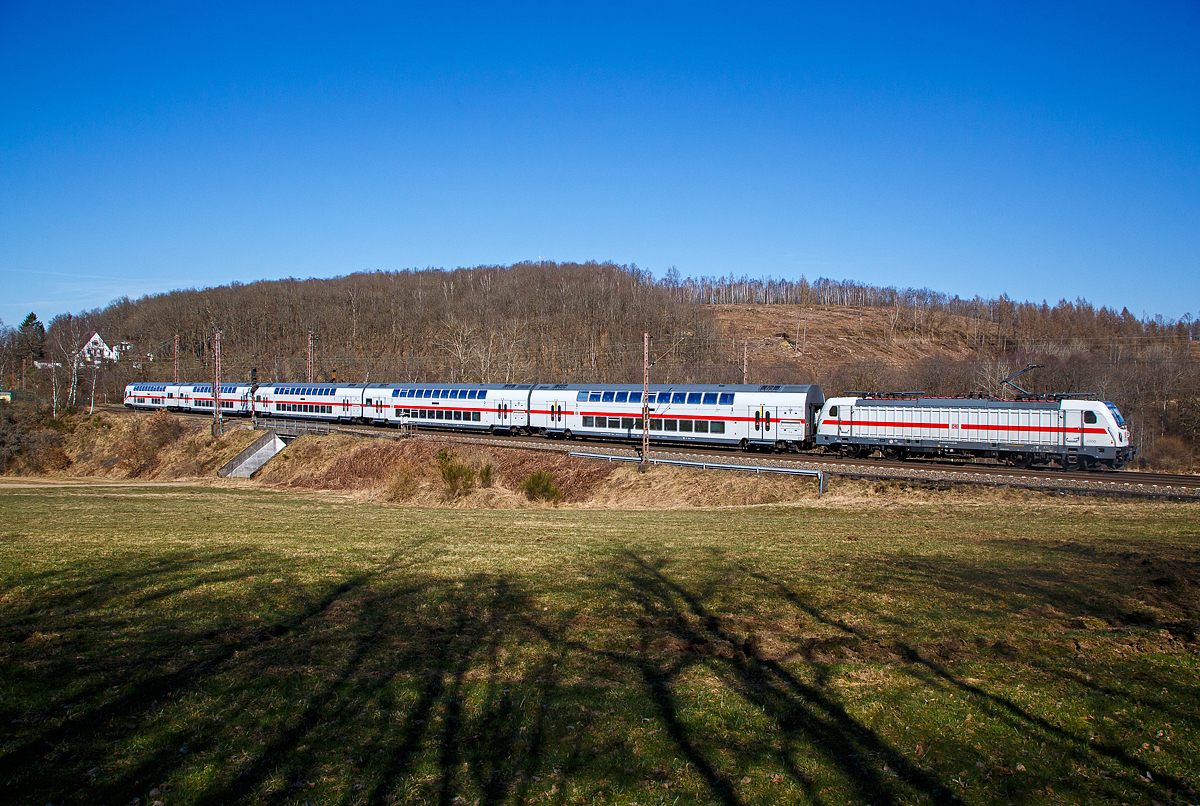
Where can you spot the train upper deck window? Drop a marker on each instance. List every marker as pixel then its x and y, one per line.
pixel 710 398
pixel 679 397
pixel 1089 417
pixel 608 397
pixel 726 399
pixel 594 397
pixel 693 398
pixel 622 397
pixel 650 397
pixel 482 394
pixel 581 397
pixel 833 411
pixel 635 397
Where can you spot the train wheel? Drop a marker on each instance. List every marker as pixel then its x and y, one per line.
pixel 1022 460
pixel 514 431
pixel 743 445
pixel 893 453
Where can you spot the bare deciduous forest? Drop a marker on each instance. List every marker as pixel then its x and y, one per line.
pixel 584 322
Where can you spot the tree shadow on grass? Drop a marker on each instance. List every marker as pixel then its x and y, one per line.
pixel 1082 587
pixel 393 685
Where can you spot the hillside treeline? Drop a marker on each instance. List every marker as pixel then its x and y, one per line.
pixel 568 321
pixel 922 312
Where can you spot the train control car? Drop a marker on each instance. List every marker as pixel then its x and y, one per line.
pixel 193 397
pixel 147 395
pixel 498 408
pixel 778 417
pixel 1069 432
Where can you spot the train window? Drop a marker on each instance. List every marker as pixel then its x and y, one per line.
pixel 655 424
pixel 1089 417
pixel 440 415
pixel 482 394
pixel 614 422
pixel 594 397
pixel 621 397
pixel 710 398
pixel 608 397
pixel 679 397
pixel 635 397
pixel 471 394
pixel 685 425
pixel 702 426
pixel 588 422
pixel 670 425
pixel 726 399
pixel 581 397
pixel 833 411
pixel 716 427
pixel 458 415
pixel 650 397
pixel 627 422
pixel 693 397
pixel 475 416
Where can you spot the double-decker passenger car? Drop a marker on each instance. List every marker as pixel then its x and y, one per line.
pixel 502 408
pixel 1070 432
pixel 345 402
pixel 781 417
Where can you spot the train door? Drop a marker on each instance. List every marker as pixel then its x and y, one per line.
pixel 1072 427
pixel 766 421
pixel 845 420
pixel 556 415
pixel 955 424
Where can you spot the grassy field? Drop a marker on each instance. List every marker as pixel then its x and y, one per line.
pixel 226 645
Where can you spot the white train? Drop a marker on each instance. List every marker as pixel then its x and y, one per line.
pixel 1069 432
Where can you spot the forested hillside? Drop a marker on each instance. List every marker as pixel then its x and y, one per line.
pixel 540 321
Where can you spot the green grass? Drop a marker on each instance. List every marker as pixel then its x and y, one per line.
pixel 231 646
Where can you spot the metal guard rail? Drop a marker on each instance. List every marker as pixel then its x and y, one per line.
pixel 791 471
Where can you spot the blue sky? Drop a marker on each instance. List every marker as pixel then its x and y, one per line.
pixel 1043 151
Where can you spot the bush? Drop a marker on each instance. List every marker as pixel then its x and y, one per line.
pixel 541 487
pixel 163 429
pixel 402 483
pixel 487 475
pixel 1170 453
pixel 458 477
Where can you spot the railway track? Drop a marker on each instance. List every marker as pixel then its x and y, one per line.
pixel 1120 483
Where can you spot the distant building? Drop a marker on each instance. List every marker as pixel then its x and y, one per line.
pixel 96 351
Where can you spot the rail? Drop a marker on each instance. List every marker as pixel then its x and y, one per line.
pixel 819 475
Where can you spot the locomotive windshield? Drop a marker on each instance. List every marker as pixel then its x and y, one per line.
pixel 1116 414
